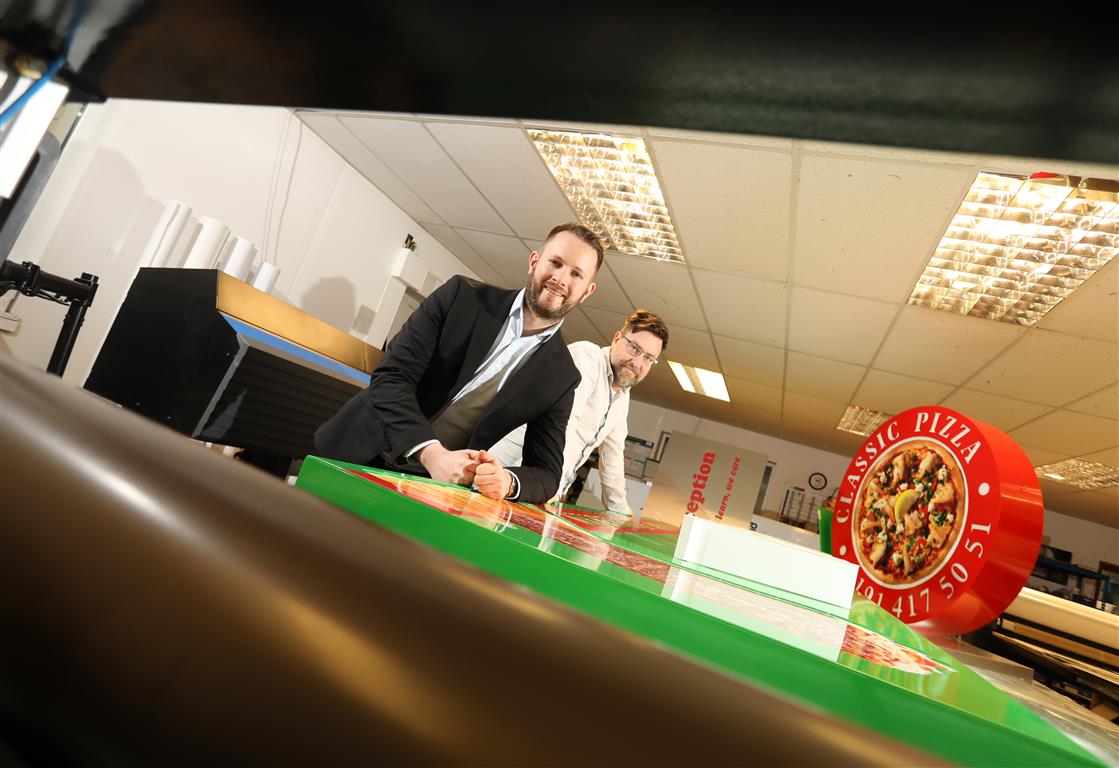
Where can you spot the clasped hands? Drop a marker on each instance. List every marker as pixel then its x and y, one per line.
pixel 467 467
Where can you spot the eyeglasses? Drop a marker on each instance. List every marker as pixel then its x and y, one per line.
pixel 635 350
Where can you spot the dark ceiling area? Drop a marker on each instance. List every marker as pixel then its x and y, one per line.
pixel 949 82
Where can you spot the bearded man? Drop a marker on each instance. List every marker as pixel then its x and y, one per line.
pixel 600 414
pixel 470 364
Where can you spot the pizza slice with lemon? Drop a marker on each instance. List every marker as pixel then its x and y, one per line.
pixel 909 512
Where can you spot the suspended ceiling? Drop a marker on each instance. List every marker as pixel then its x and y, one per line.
pixel 800 256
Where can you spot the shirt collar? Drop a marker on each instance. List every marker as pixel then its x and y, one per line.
pixel 517 315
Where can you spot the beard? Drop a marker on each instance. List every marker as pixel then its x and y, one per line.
pixel 533 290
pixel 624 377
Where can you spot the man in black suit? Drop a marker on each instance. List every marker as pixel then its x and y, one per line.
pixel 471 363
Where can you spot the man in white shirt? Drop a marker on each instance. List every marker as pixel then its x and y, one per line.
pixel 601 409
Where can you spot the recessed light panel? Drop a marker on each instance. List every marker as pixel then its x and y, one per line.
pixel 1081 473
pixel 1018 246
pixel 700 381
pixel 861 421
pixel 611 184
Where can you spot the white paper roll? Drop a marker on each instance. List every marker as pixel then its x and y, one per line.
pixel 172 223
pixel 266 276
pixel 240 259
pixel 207 246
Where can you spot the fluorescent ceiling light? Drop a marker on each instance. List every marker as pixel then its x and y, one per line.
pixel 611 184
pixel 861 421
pixel 700 381
pixel 1018 246
pixel 1081 473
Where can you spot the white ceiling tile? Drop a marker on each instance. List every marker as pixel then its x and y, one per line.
pixel 838 327
pixel 804 434
pixel 1041 456
pixel 343 141
pixel 730 205
pixel 1051 368
pixel 505 253
pixel 1108 456
pixel 893 154
pixel 892 393
pixel 453 242
pixel 808 410
pixel 868 227
pixel 742 307
pixel 1092 506
pixel 942 346
pixel 691 347
pixel 576 327
pixel 609 294
pixel 661 286
pixel 500 121
pixel 757 420
pixel 416 158
pixel 717 137
pixel 820 377
pixel 506 167
pixel 1051 488
pixel 750 361
pixel 845 443
pixel 1068 432
pixel 714 410
pixel 1103 403
pixel 749 397
pixel 1003 412
pixel 607 322
pixel 1092 309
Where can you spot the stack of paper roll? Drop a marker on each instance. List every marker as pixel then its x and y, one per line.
pixel 208 245
pixel 265 279
pixel 161 245
pixel 240 259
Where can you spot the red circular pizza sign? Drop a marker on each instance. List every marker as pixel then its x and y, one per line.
pixel 943 516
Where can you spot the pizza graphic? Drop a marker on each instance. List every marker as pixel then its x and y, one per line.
pixel 909 512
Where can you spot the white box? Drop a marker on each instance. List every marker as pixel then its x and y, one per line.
pixel 767 560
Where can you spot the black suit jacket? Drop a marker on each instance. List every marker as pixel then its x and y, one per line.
pixel 435 355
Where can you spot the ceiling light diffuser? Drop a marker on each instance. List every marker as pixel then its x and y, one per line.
pixel 700 381
pixel 1081 473
pixel 861 421
pixel 612 185
pixel 1018 246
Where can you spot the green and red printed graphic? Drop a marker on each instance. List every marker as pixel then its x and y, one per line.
pixel 943 516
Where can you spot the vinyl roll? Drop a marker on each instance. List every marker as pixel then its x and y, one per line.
pixel 265 279
pixel 172 223
pixel 208 245
pixel 240 259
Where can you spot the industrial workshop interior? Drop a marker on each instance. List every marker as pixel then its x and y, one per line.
pixel 422 384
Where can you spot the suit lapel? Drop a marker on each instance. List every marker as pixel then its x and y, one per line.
pixel 482 336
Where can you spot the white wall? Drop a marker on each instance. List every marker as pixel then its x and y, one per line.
pixel 333 235
pixel 794 462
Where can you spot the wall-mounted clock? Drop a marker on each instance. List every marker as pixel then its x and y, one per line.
pixel 818 481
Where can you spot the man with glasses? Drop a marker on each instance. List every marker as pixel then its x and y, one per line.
pixel 600 413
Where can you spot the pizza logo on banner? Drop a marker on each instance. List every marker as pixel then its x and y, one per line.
pixel 930 500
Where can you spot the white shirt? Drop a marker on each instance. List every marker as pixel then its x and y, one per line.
pixel 598 420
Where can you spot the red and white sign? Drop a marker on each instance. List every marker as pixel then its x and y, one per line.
pixel 943 516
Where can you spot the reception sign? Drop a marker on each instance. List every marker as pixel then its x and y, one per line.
pixel 943 516
pixel 713 480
